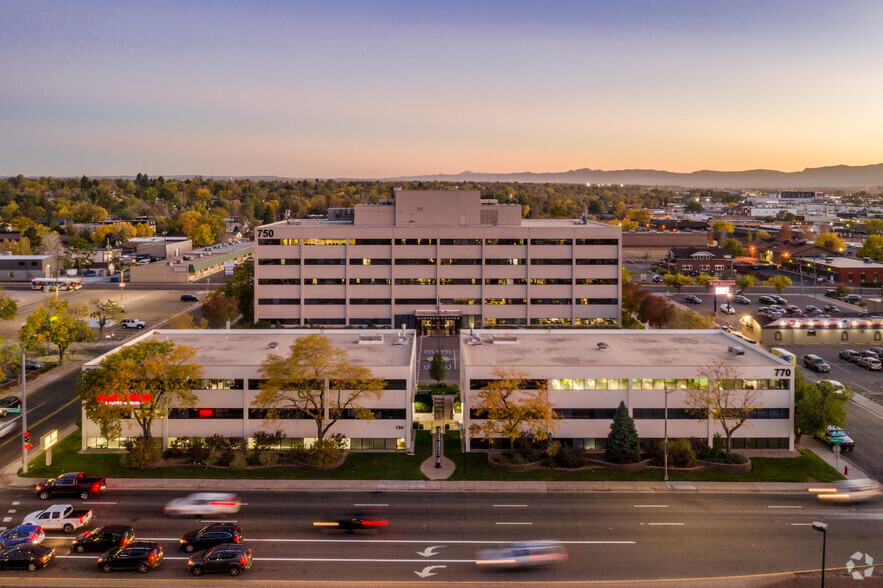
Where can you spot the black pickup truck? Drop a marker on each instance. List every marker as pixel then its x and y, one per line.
pixel 71 484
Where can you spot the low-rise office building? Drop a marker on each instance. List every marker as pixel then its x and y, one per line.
pixel 193 265
pixel 589 372
pixel 430 259
pixel 231 362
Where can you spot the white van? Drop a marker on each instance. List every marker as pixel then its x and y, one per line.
pixel 784 354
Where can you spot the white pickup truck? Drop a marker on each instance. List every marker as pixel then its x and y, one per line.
pixel 60 517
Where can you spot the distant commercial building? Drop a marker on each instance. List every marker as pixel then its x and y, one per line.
pixel 24 268
pixel 194 265
pixel 692 261
pixel 589 372
pixel 231 362
pixel 437 258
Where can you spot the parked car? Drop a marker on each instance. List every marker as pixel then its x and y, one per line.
pixel 878 351
pixel 779 300
pixel 522 555
pixel 132 323
pixel 657 279
pixel 738 298
pixel 831 308
pixel 791 309
pixel 203 503
pixel 837 386
pixel 60 517
pixel 10 405
pixel 137 555
pixel 728 309
pixel 72 484
pixel 104 538
pixel 850 355
pixel 870 363
pixel 26 556
pixel 231 558
pixel 852 298
pixel 869 353
pixel 22 534
pixel 767 300
pixel 691 299
pixel 777 309
pixel 837 436
pixel 209 536
pixel 189 298
pixel 33 364
pixel 810 308
pixel 816 363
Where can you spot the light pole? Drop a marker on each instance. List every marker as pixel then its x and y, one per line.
pixel 823 527
pixel 122 283
pixel 665 444
pixel 24 411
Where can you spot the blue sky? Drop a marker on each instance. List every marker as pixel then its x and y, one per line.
pixel 352 89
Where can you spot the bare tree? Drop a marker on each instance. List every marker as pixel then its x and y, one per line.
pixel 724 399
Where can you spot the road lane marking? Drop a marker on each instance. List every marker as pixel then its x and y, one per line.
pixel 98 502
pixel 3 528
pixel 7 519
pixel 391 541
pixel 651 506
pixel 514 523
pixel 510 506
pixel 784 507
pixel 665 524
pixel 363 504
pixel 16 503
pixel 11 511
pixel 801 524
pixel 214 521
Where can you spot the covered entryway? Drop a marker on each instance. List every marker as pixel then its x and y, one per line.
pixel 443 323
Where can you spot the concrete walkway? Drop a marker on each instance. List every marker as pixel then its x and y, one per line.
pixel 842 463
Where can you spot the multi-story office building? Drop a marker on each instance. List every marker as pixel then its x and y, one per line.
pixel 589 372
pixel 231 377
pixel 430 258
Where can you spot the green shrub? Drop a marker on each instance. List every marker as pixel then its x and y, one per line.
pixel 324 452
pixel 141 453
pixel 268 458
pixel 422 407
pixel 216 458
pixel 263 441
pixel 623 442
pixel 680 453
pixel 239 461
pixel 237 443
pixel 217 443
pixel 509 458
pixel 197 452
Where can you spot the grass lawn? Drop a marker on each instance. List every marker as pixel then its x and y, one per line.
pixel 396 466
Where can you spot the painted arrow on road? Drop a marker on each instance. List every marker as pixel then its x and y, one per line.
pixel 427 571
pixel 430 551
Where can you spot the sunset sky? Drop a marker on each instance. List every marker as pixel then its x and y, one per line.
pixel 375 89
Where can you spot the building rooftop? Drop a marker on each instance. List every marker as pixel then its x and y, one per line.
pixel 250 347
pixel 536 348
pixel 844 262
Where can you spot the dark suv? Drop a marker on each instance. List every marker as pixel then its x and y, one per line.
pixel 816 363
pixel 232 558
pixel 209 536
pixel 137 555
pixel 104 538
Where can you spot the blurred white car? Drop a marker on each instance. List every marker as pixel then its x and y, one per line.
pixel 522 555
pixel 728 309
pixel 860 490
pixel 202 504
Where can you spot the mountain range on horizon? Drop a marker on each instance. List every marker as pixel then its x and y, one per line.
pixel 830 177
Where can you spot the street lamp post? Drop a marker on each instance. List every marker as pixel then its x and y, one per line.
pixel 122 283
pixel 823 528
pixel 24 411
pixel 665 444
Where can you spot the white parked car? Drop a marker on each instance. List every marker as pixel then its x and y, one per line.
pixel 728 309
pixel 203 503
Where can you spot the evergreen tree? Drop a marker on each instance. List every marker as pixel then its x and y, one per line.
pixel 437 367
pixel 623 443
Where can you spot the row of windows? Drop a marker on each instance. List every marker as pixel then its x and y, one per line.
pixel 421 241
pixel 646 384
pixel 286 443
pixel 595 322
pixel 276 413
pixel 646 443
pixel 692 413
pixel 392 384
pixel 589 384
pixel 443 281
pixel 444 261
pixel 561 413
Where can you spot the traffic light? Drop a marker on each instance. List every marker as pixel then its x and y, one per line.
pixel 28 440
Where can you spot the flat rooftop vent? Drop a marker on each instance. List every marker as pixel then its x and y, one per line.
pixel 504 339
pixel 370 339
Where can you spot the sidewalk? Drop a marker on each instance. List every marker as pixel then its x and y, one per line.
pixel 840 464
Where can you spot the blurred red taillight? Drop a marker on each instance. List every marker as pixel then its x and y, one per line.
pixel 243 560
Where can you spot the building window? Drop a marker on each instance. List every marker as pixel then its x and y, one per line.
pixel 459 281
pixel 505 300
pixel 876 335
pixel 373 241
pixel 551 261
pixel 611 261
pixel 221 384
pixel 811 333
pixel 844 336
pixel 507 281
pixel 323 301
pixel 275 301
pixel 687 267
pixel 206 413
pixel 275 261
pixel 460 301
pixel 596 281
pixel 589 384
pixel 428 301
pixel 549 281
pixel 461 241
pixel 704 267
pixel 550 321
pixel 450 261
pixel 415 241
pixel 778 335
pixel 596 301
pixel 504 241
pixel 386 414
pixel 415 261
pixel 550 301
pixel 415 281
pixel 329 241
pixel 597 242
pixel 369 261
pixel 505 261
pixel 504 322
pixel 370 321
pixel 364 301
pixel 369 281
pixel 585 413
pixel 324 261
pixel 550 241
pixel 278 281
pixel 324 281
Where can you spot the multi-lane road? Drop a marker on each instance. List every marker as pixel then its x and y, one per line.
pixel 434 537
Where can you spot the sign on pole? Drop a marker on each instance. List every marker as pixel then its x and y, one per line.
pixel 47 441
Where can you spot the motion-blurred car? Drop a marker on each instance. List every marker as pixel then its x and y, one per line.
pixel 22 534
pixel 10 425
pixel 189 298
pixel 738 298
pixel 850 491
pixel 26 556
pixel 691 299
pixel 203 503
pixel 354 522
pixel 231 558
pixel 209 536
pixel 522 555
pixel 657 279
pixel 728 309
